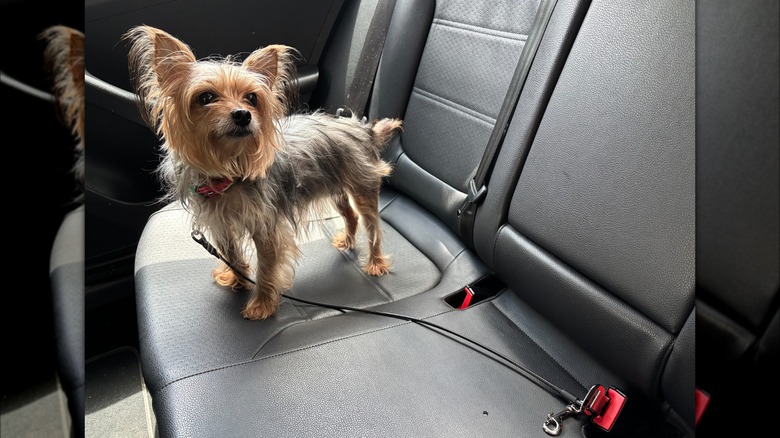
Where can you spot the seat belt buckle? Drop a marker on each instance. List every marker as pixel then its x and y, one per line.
pixel 603 406
pixel 701 401
pixel 474 196
pixel 467 298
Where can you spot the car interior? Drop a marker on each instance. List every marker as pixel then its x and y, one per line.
pixel 582 221
pixel 39 156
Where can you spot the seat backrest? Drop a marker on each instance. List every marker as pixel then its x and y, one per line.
pixel 589 218
pixel 597 229
pixel 590 213
pixel 450 99
pixel 738 209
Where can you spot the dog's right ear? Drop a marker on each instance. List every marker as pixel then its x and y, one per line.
pixel 158 63
pixel 157 53
pixel 64 60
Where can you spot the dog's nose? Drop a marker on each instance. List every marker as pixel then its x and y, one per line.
pixel 242 117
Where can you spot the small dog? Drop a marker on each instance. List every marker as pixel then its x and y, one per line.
pixel 63 57
pixel 249 171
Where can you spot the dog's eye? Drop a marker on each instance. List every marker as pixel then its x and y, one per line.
pixel 252 98
pixel 206 98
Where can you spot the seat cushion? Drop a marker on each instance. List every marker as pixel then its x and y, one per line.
pixel 188 324
pixel 66 270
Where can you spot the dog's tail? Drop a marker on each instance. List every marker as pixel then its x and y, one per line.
pixel 384 129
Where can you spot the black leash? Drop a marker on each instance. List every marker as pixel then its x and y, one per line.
pixel 567 397
pixel 595 401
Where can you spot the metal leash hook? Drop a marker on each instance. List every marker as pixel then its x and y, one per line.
pixel 602 405
pixel 552 425
pixel 198 236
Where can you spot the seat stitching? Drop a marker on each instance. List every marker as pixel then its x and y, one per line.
pixel 483 30
pixel 484 118
pixel 293 351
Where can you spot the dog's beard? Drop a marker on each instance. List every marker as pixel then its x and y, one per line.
pixel 224 149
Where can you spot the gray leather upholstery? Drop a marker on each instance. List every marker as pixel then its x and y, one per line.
pixel 588 221
pixel 464 72
pixel 66 270
pixel 738 210
pixel 176 294
pixel 602 219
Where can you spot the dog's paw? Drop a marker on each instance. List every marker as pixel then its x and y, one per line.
pixel 225 276
pixel 342 241
pixel 259 311
pixel 377 266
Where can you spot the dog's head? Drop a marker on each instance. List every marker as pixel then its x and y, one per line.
pixel 63 57
pixel 217 115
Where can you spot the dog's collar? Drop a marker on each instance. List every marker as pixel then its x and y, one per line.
pixel 213 187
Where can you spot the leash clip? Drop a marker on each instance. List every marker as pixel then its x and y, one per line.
pixel 601 405
pixel 552 425
pixel 198 236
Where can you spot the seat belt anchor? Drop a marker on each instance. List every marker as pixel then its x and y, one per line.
pixel 473 196
pixel 344 112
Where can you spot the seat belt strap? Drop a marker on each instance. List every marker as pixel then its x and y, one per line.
pixel 365 72
pixel 478 185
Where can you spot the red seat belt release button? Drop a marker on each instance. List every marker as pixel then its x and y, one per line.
pixel 604 406
pixel 467 299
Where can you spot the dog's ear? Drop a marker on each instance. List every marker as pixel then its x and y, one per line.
pixel 167 57
pixel 157 63
pixel 64 60
pixel 276 62
pixel 64 53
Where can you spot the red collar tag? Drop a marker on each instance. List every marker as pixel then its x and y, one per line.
pixel 217 187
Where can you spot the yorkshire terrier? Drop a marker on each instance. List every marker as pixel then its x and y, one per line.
pixel 250 170
pixel 63 57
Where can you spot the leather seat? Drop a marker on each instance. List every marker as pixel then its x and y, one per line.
pixel 66 270
pixel 738 210
pixel 588 224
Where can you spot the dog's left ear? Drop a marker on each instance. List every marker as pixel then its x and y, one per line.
pixel 276 62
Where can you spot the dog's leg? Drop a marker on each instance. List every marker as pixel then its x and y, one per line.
pixel 275 258
pixel 367 204
pixel 345 240
pixel 230 248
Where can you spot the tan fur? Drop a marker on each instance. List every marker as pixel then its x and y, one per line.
pixel 220 119
pixel 64 60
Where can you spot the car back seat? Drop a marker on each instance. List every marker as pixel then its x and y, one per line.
pixel 426 255
pixel 738 213
pixel 588 221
